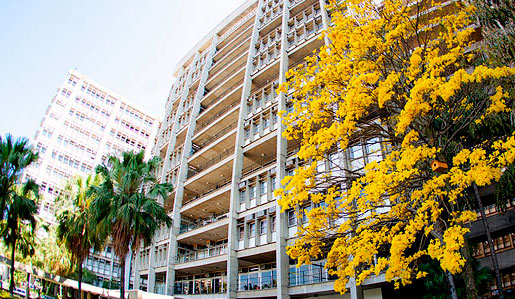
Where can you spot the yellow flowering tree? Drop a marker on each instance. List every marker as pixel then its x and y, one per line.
pixel 396 92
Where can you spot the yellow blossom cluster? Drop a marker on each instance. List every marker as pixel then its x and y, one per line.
pixel 399 75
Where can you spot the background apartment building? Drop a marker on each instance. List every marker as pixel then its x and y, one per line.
pixel 221 148
pixel 84 123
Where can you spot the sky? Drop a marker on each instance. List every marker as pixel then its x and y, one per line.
pixel 128 46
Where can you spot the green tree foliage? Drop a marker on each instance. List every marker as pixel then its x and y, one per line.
pixel 20 212
pixel 75 229
pixel 125 203
pixel 17 201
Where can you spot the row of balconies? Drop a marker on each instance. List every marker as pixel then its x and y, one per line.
pixel 236 26
pixel 254 278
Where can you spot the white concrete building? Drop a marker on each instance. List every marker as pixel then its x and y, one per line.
pixel 221 148
pixel 84 123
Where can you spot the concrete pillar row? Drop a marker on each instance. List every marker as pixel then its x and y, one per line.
pixel 282 259
pixel 183 168
pixel 232 259
pixel 169 151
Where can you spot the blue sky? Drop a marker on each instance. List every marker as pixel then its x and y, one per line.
pixel 129 46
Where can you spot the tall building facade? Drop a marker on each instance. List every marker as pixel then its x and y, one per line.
pixel 222 149
pixel 84 123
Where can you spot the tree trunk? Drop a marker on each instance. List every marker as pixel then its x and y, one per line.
pixel 493 255
pixel 11 285
pixel 122 277
pixel 450 279
pixel 80 280
pixel 468 274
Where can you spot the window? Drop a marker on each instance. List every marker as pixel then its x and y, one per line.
pixel 241 232
pixel 272 222
pixel 262 187
pixel 272 182
pixel 252 192
pixel 242 195
pixel 266 122
pixel 256 128
pixel 262 227
pixel 252 230
pixel 292 219
pixel 247 133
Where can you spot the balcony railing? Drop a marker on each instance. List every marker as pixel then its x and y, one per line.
pixel 226 77
pixel 250 169
pixel 212 285
pixel 254 281
pixel 236 26
pixel 309 274
pixel 217 116
pixel 192 171
pixel 203 193
pixel 226 92
pixel 202 254
pixel 214 138
pixel 189 226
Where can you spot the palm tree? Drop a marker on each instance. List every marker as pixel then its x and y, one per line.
pixel 75 230
pixel 16 203
pixel 125 204
pixel 15 156
pixel 20 212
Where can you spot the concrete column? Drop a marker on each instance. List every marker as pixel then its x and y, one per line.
pixel 232 260
pixel 282 259
pixel 183 168
pixel 128 262
pixel 356 292
pixel 136 267
pixel 325 20
pixel 151 269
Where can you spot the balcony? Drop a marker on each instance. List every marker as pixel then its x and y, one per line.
pixel 187 226
pixel 199 231
pixel 216 116
pixel 200 286
pixel 202 254
pixel 219 97
pixel 225 37
pixel 309 274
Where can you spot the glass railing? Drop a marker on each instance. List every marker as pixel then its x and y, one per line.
pixel 309 274
pixel 212 285
pixel 254 281
pixel 202 254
